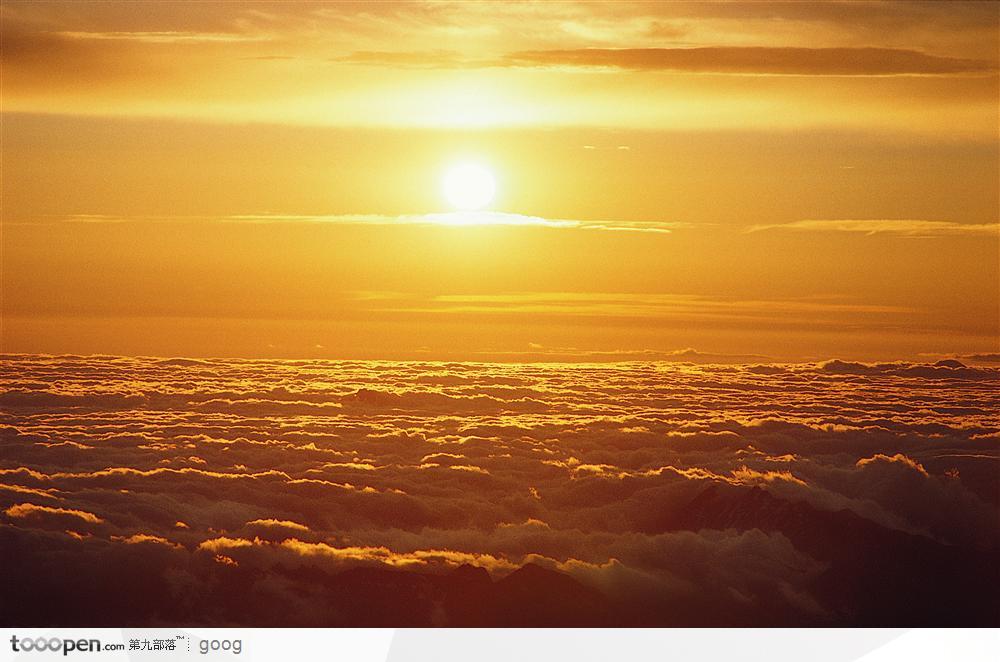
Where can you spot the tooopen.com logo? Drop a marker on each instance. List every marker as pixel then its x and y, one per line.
pixel 57 644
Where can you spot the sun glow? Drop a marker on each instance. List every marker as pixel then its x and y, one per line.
pixel 469 186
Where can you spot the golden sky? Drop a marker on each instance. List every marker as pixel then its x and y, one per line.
pixel 787 180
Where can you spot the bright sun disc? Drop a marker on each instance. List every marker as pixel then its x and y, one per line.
pixel 468 186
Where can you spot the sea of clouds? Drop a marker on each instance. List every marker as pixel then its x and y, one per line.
pixel 148 491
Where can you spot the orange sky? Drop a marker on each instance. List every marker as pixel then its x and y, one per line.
pixel 792 181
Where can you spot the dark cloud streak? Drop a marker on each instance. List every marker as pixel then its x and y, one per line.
pixel 741 60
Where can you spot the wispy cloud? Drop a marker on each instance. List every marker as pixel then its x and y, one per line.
pixel 636 306
pixel 740 60
pixel 759 60
pixel 431 59
pixel 904 227
pixel 464 219
pixel 537 353
pixel 450 219
pixel 163 37
pixel 897 227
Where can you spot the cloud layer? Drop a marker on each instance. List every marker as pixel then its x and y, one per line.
pixel 379 493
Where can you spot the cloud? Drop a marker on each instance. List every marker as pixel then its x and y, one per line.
pixel 572 354
pixel 447 219
pixel 644 493
pixel 277 527
pixel 235 64
pixel 993 357
pixel 898 458
pixel 900 227
pixel 27 510
pixel 667 309
pixel 161 37
pixel 30 511
pixel 759 60
pixel 740 60
pixel 465 219
pixel 432 59
pixel 945 369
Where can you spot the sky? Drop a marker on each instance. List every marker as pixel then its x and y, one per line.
pixel 648 314
pixel 717 182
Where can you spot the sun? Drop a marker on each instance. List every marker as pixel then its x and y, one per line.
pixel 469 186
